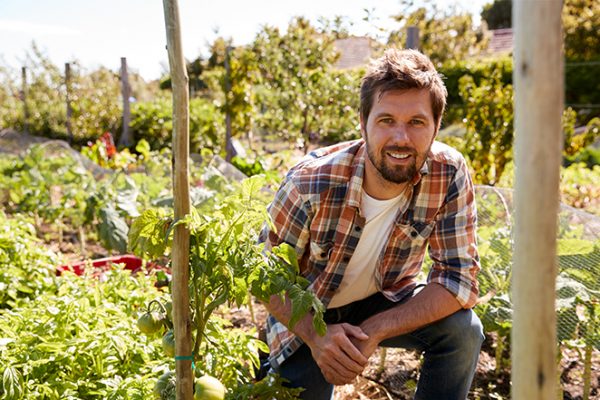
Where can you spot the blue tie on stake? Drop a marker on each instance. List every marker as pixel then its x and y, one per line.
pixel 177 358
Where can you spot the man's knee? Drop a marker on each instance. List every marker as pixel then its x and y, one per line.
pixel 466 327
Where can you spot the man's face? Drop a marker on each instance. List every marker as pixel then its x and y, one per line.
pixel 399 132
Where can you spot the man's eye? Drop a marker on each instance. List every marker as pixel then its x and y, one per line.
pixel 417 122
pixel 386 120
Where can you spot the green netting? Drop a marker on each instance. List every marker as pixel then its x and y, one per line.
pixel 577 307
pixel 577 283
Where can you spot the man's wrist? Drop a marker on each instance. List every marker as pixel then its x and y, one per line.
pixel 373 330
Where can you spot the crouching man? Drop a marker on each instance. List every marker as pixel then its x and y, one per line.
pixel 360 216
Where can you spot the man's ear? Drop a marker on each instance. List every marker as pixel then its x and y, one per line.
pixel 437 129
pixel 363 128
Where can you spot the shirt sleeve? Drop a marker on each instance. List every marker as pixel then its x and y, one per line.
pixel 290 215
pixel 453 247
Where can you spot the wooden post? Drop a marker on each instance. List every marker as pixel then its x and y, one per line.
pixel 538 77
pixel 24 99
pixel 68 100
pixel 412 37
pixel 125 140
pixel 181 240
pixel 228 144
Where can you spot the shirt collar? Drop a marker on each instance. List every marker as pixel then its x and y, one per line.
pixel 354 194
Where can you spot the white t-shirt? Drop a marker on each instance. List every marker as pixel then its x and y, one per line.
pixel 359 278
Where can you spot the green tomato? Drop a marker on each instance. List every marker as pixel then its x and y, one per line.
pixel 168 343
pixel 209 388
pixel 150 322
pixel 164 388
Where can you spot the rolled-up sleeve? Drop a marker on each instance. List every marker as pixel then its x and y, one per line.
pixel 453 246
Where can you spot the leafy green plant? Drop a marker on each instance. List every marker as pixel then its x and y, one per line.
pixel 80 340
pixel 226 263
pixel 489 123
pixel 26 268
pixel 152 121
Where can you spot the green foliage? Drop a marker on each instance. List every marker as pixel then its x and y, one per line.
pixel 230 79
pixel 581 23
pixel 80 341
pixel 194 69
pixel 225 265
pixel 444 33
pixel 574 143
pixel 269 388
pixel 148 233
pixel 153 122
pixel 26 268
pixel 298 93
pixel 489 123
pixel 93 98
pixel 579 187
pixel 453 70
pixel 54 188
pixel 589 157
pixel 498 14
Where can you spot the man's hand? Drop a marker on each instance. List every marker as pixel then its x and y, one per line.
pixel 336 354
pixel 366 347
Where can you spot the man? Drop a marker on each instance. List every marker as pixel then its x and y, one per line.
pixel 360 215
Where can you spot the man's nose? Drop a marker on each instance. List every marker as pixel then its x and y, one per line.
pixel 401 133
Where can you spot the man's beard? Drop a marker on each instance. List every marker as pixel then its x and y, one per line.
pixel 394 173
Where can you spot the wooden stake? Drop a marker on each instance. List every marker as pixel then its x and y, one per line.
pixel 24 99
pixel 125 140
pixel 68 100
pixel 181 240
pixel 412 37
pixel 228 144
pixel 538 77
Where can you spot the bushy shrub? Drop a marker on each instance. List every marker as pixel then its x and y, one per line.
pixel 478 70
pixel 153 122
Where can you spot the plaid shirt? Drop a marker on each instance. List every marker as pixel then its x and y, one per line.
pixel 317 211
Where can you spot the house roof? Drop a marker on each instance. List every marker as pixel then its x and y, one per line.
pixel 354 51
pixel 501 41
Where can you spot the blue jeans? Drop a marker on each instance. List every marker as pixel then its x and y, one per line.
pixel 450 349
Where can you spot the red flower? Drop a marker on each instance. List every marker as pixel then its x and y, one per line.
pixel 109 143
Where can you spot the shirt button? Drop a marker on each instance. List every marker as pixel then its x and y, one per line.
pixel 414 234
pixel 323 255
pixel 357 228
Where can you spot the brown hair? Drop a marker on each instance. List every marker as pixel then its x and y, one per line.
pixel 402 69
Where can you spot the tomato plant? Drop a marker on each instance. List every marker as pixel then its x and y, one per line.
pixel 227 264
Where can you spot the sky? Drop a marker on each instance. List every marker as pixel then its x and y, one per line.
pixel 100 32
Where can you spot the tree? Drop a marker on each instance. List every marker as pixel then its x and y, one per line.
pixel 498 14
pixel 444 33
pixel 300 96
pixel 581 24
pixel 489 123
pixel 232 87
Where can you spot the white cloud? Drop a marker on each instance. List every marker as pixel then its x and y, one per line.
pixel 35 28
